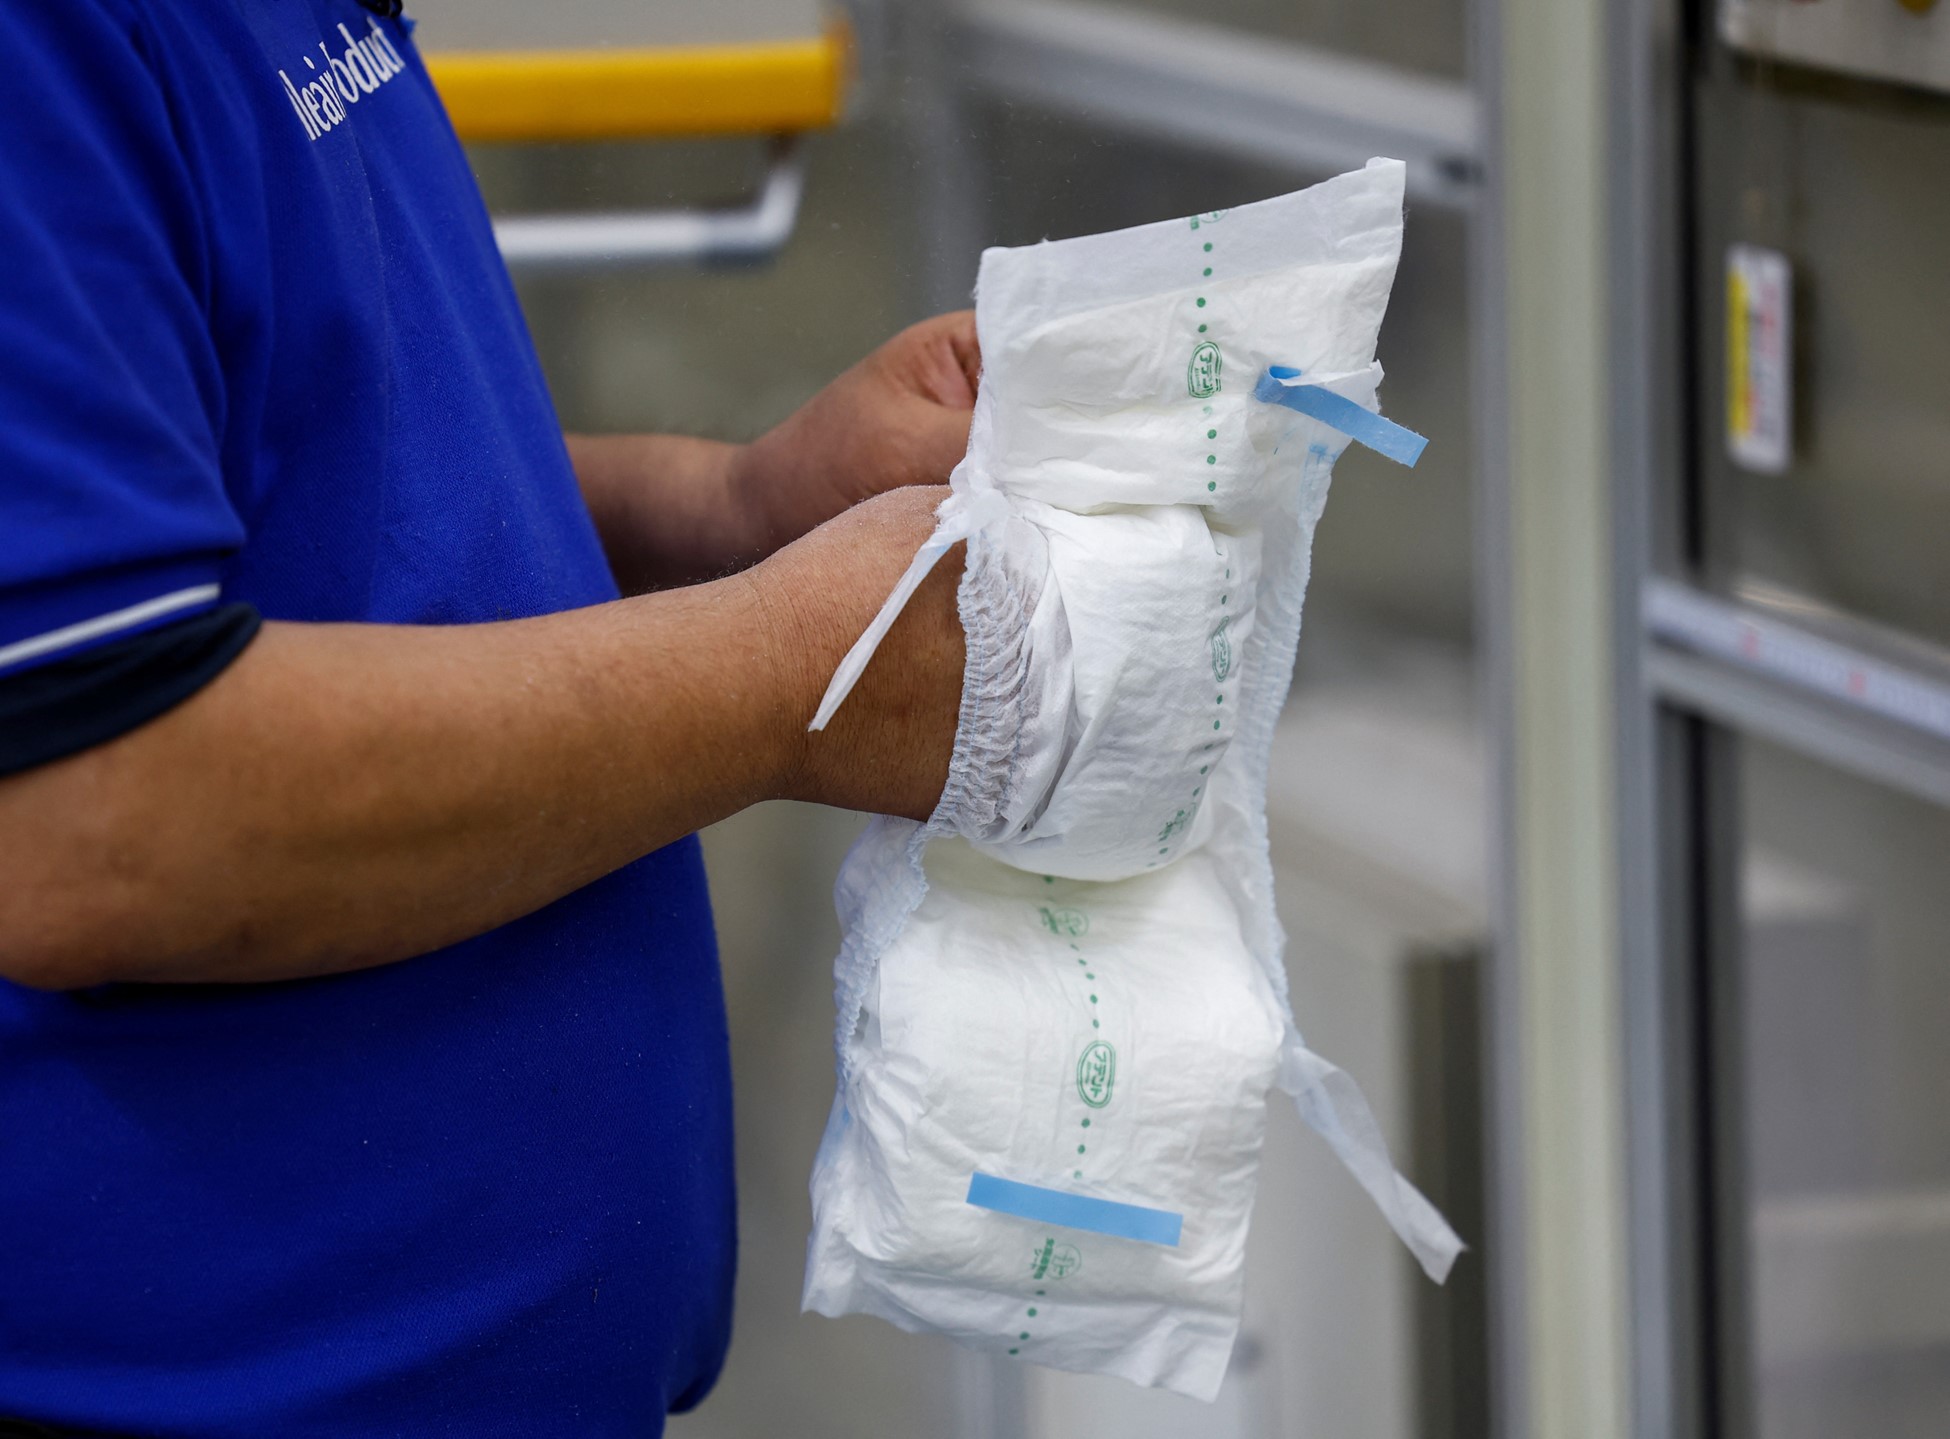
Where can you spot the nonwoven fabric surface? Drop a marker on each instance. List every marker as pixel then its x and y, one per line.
pixel 1065 995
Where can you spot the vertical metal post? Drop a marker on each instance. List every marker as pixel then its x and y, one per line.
pixel 1659 763
pixel 1502 988
pixel 1563 1291
pixel 1444 992
pixel 1501 1016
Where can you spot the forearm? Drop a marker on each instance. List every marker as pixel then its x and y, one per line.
pixel 668 508
pixel 349 795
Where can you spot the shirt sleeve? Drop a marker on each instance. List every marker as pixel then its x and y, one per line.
pixel 113 514
pixel 66 705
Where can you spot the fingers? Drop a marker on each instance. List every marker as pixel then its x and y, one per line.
pixel 959 331
pixel 944 358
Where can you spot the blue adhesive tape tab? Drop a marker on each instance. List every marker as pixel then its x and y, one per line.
pixel 1075 1211
pixel 1337 412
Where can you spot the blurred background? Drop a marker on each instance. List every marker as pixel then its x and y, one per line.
pixel 1611 810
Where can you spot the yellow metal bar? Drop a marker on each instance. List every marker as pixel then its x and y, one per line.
pixel 768 88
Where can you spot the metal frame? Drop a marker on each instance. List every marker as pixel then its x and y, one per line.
pixel 611 240
pixel 1880 42
pixel 1804 720
pixel 1194 83
pixel 1658 1002
pixel 1510 1409
pixel 1707 703
pixel 1840 665
pixel 1697 672
pixel 1558 479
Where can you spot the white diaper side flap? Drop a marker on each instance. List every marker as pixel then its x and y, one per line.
pixel 1334 1107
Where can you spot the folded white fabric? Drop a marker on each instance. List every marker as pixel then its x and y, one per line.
pixel 1062 1000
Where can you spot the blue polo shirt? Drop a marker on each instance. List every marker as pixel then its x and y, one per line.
pixel 257 348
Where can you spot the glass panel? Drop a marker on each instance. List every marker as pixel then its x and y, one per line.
pixel 1841 1006
pixel 1850 181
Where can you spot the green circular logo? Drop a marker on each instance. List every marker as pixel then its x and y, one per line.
pixel 1202 374
pixel 1096 1074
pixel 1055 1261
pixel 1065 923
pixel 1221 652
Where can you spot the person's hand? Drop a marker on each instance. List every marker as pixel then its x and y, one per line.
pixel 899 417
pixel 887 750
pixel 673 510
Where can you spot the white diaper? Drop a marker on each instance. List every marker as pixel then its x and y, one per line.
pixel 1062 1000
pixel 1115 1041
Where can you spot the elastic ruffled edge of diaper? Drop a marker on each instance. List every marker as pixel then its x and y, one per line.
pixel 983 775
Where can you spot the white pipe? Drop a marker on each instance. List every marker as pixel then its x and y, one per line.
pixel 612 240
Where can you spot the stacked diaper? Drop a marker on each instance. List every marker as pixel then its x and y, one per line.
pixel 1062 1000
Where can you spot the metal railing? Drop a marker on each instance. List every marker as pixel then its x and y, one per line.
pixel 603 240
pixel 777 88
pixel 1191 82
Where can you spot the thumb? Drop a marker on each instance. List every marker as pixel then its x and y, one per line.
pixel 940 439
pixel 948 359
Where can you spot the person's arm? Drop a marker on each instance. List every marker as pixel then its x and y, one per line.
pixel 350 795
pixel 674 510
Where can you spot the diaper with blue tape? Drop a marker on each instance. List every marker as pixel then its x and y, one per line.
pixel 1062 1000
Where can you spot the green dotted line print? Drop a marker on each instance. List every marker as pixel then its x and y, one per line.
pixel 1221 644
pixel 1204 377
pixel 1023 1337
pixel 1203 380
pixel 1096 1079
